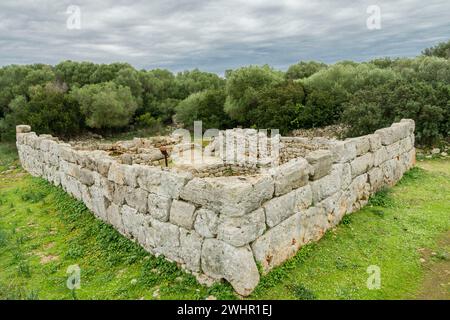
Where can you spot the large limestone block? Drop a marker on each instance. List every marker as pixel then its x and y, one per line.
pixel 362 145
pixel 239 231
pixel 334 209
pixel 279 243
pixel 291 175
pixel 380 156
pixel 231 196
pixel 359 192
pixel 165 239
pixel 162 182
pixel 402 129
pixel 303 198
pixel 374 142
pixel 236 265
pixel 190 249
pixel 393 150
pixel 159 207
pixel 280 208
pixel 362 164
pixel 99 203
pixel 406 144
pixel 376 179
pixel 137 198
pixel 206 222
pixel 172 183
pixel 86 177
pixel 327 185
pixel 116 173
pixel 137 225
pixel 386 135
pixel 321 161
pixel 71 185
pixel 23 128
pixel 182 214
pixel 114 217
pixel 411 124
pixel 343 151
pixel 66 153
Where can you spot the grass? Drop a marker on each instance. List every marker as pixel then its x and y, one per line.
pixel 43 231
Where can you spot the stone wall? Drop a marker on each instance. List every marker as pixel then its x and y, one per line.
pixel 222 227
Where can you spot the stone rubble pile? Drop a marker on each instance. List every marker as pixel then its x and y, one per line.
pixel 223 227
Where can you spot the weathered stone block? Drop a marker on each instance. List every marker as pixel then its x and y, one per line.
pixel 411 124
pixel 278 244
pixel 182 214
pixel 327 185
pixel 401 129
pixel 23 128
pixel 159 206
pixel 303 198
pixel 86 177
pixel 374 142
pixel 115 217
pixel 239 231
pixel 116 173
pixel 376 179
pixel 165 238
pixel 321 161
pixel 137 198
pixel 362 164
pixel 172 183
pixel 280 208
pixel 291 175
pixel 148 178
pixel 380 156
pixel 386 135
pixel 231 196
pixel 362 145
pixel 206 223
pixel 393 150
pixel 191 249
pixel 343 151
pixel 236 265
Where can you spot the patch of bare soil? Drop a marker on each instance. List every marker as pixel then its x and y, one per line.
pixel 436 284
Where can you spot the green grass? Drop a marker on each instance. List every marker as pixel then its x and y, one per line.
pixel 43 231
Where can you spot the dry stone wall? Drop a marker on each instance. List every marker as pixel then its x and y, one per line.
pixel 223 227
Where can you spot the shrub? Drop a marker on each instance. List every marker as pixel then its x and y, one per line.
pixel 277 106
pixel 206 106
pixel 441 50
pixel 378 107
pixel 304 69
pixel 48 110
pixel 243 86
pixel 106 105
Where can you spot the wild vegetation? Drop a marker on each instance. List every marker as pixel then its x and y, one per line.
pixel 403 230
pixel 74 97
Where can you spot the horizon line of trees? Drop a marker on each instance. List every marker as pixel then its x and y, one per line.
pixel 71 98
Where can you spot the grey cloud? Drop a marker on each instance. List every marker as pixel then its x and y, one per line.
pixel 217 35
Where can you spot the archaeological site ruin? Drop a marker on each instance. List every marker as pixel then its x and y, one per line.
pixel 237 209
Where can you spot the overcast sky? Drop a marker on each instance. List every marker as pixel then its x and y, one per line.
pixel 216 35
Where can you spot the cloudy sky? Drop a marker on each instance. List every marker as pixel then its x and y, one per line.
pixel 216 35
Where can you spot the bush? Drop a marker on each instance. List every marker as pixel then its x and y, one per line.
pixel 371 109
pixel 277 106
pixel 206 106
pixel 304 69
pixel 48 110
pixel 243 86
pixel 106 105
pixel 441 50
pixel 328 89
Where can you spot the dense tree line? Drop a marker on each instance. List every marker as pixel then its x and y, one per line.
pixel 74 97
